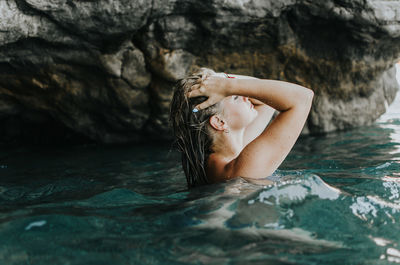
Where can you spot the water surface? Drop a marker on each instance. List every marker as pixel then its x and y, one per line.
pixel 337 201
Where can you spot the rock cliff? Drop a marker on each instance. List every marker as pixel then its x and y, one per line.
pixel 104 70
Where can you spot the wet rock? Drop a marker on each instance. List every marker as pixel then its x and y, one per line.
pixel 158 125
pixel 129 64
pixel 105 70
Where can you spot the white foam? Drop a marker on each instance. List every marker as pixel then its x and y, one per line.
pixel 36 224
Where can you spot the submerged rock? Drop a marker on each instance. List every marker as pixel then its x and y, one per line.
pixel 105 70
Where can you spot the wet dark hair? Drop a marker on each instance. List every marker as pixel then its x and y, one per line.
pixel 192 131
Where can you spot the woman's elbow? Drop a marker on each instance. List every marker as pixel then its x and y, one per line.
pixel 308 96
pixel 304 99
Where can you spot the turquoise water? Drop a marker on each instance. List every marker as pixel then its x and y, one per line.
pixel 337 201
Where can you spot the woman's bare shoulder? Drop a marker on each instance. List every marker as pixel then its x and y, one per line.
pixel 218 168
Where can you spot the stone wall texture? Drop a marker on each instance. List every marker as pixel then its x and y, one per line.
pixel 104 69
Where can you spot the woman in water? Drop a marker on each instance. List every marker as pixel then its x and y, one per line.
pixel 219 122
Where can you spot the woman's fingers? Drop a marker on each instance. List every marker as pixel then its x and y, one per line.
pixel 204 77
pixel 198 91
pixel 194 87
pixel 203 105
pixel 195 93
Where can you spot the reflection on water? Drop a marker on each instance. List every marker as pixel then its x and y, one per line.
pixel 391 121
pixel 336 201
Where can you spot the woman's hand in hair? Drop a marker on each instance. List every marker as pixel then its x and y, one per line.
pixel 214 87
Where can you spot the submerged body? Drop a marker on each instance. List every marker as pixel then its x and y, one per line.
pixel 235 112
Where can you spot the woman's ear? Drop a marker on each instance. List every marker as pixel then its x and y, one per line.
pixel 217 123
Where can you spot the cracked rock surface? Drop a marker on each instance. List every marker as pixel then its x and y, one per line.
pixel 104 70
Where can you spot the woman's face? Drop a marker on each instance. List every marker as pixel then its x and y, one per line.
pixel 238 111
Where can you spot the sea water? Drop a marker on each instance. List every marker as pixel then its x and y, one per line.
pixel 336 201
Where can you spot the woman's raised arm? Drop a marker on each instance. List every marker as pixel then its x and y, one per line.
pixel 264 154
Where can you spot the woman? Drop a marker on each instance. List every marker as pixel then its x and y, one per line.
pixel 219 122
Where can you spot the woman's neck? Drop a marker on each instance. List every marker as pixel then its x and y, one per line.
pixel 228 145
